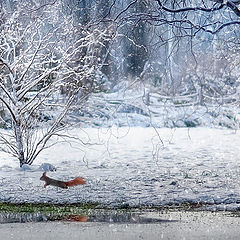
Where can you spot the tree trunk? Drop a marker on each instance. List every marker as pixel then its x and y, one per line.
pixel 19 144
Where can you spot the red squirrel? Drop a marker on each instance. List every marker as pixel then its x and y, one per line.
pixel 61 184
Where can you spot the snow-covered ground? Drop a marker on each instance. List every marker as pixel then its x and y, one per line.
pixel 134 166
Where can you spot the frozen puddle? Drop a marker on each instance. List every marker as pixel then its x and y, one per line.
pixel 99 216
pixel 22 217
pixel 163 225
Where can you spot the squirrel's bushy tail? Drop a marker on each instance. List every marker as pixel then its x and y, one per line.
pixel 75 182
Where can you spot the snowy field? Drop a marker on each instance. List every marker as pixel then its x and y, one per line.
pixel 134 166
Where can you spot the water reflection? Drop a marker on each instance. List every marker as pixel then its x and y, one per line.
pixel 103 217
pixel 125 217
pixel 22 217
pixel 76 218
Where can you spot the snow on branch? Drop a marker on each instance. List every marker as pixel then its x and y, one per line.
pixel 233 6
pixel 47 66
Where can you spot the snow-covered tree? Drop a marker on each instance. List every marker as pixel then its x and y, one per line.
pixel 47 63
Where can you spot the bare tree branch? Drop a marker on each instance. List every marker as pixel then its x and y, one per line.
pixel 187 9
pixel 124 10
pixel 233 6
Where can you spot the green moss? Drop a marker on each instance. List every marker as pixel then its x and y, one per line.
pixel 46 208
